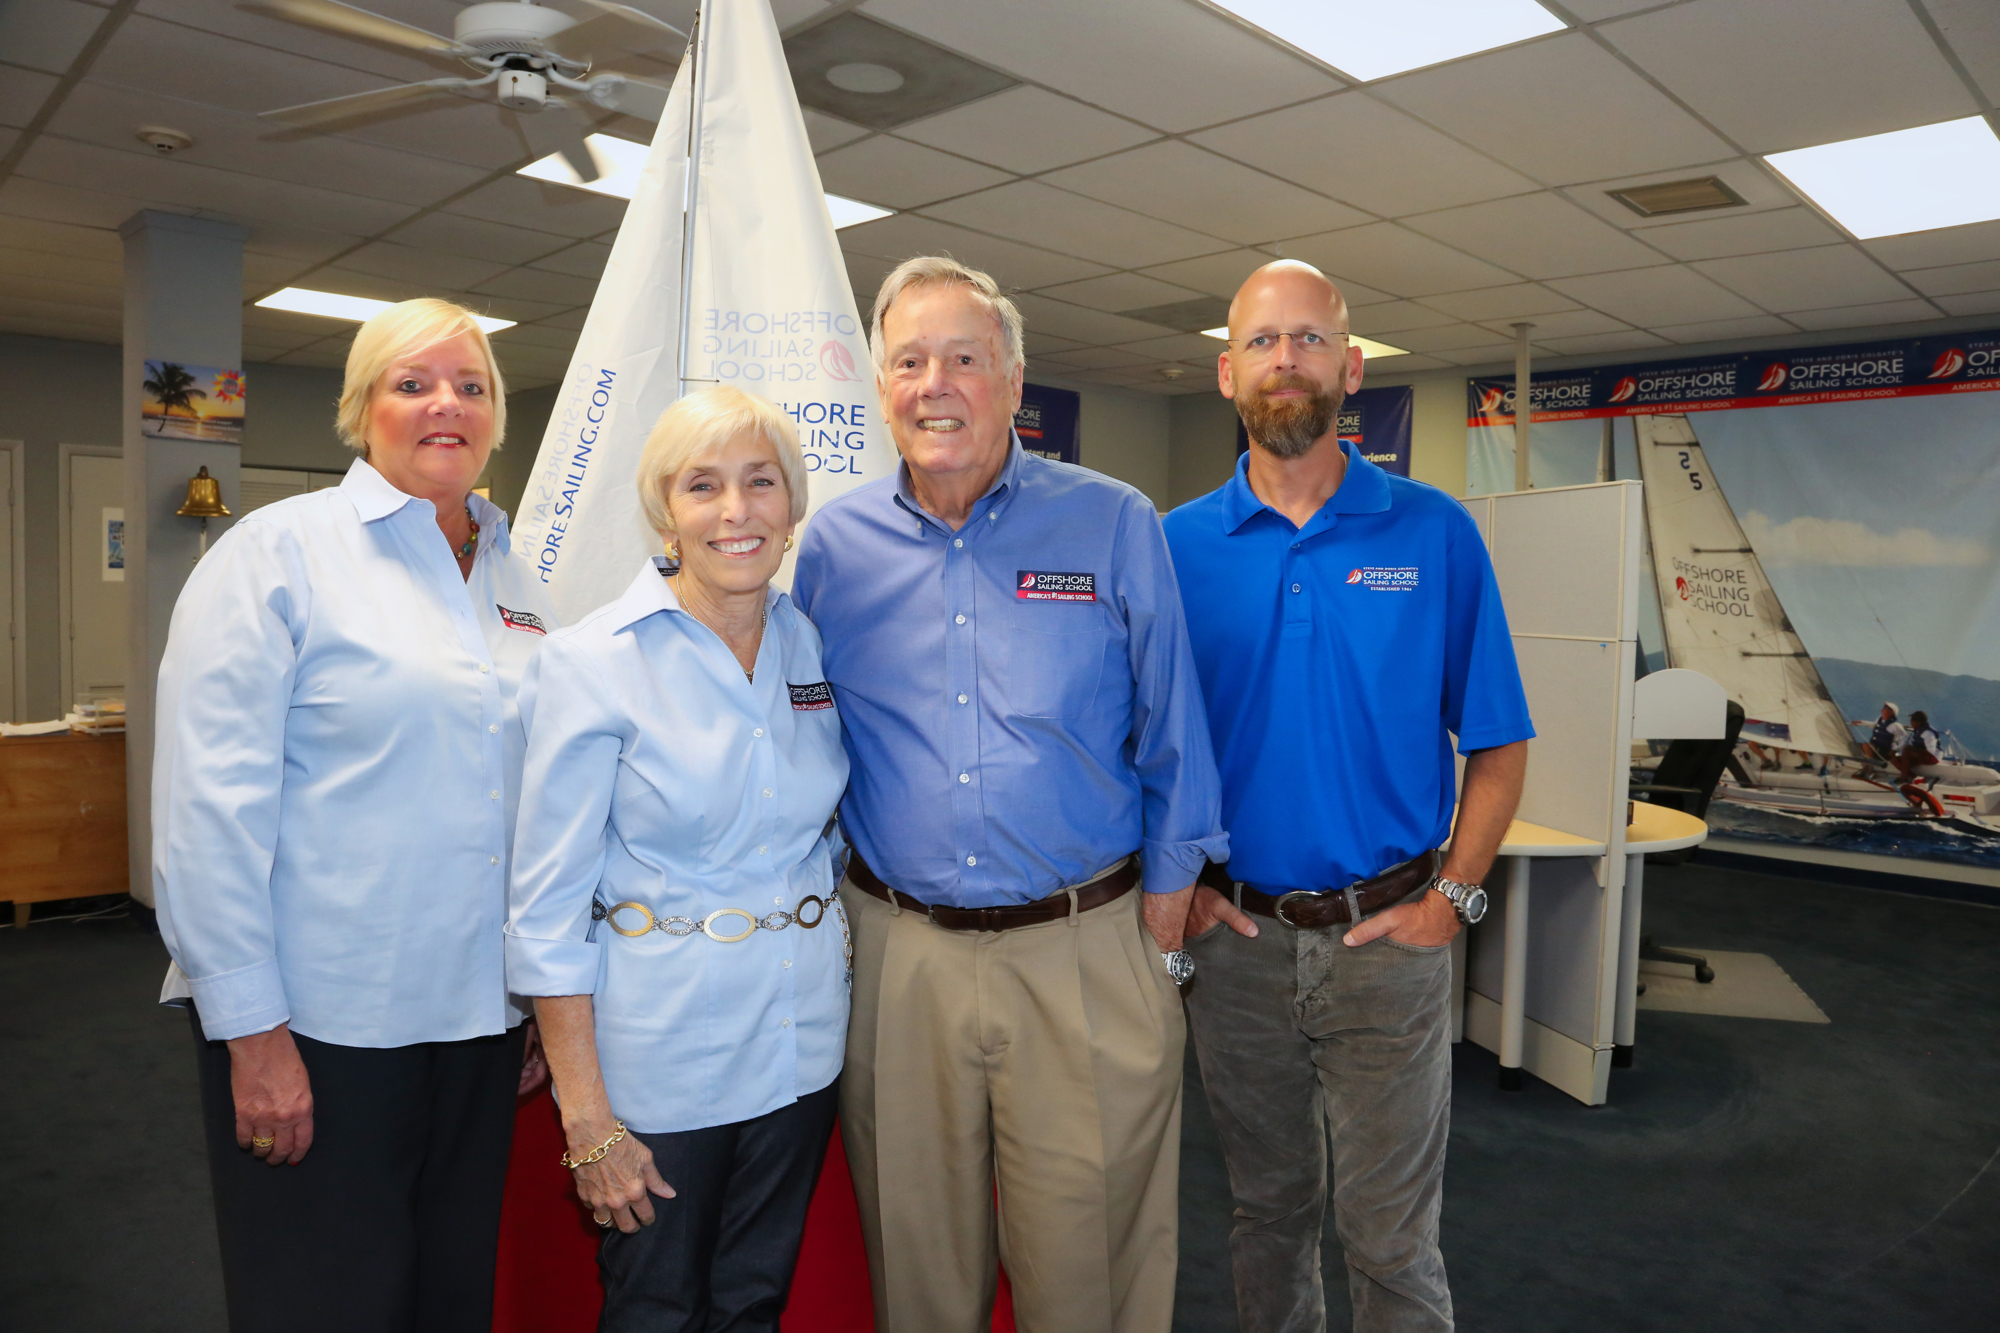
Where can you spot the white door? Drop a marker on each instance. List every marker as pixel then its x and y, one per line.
pixel 97 625
pixel 9 613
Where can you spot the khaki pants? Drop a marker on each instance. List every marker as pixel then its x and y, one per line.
pixel 1045 1060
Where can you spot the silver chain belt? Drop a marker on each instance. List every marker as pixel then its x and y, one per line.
pixel 680 927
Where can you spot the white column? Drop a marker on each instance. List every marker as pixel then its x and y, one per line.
pixel 1521 406
pixel 183 303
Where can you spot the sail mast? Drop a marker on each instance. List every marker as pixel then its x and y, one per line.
pixel 698 51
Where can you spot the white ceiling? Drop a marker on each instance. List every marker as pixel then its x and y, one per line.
pixel 1153 152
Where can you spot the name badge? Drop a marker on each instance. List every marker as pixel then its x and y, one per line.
pixel 1042 585
pixel 811 698
pixel 524 621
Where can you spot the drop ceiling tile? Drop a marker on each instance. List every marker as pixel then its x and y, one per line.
pixel 864 279
pixel 263 273
pixel 1173 66
pixel 1520 105
pixel 43 201
pixel 22 94
pixel 59 319
pixel 305 244
pixel 266 349
pixel 1387 163
pixel 1085 326
pixel 52 38
pixel 1934 249
pixel 1446 338
pixel 1721 235
pixel 894 173
pixel 826 133
pixel 424 268
pixel 522 201
pixel 1649 296
pixel 85 269
pixel 1827 275
pixel 1972 27
pixel 1591 11
pixel 557 289
pixel 1214 275
pixel 1097 358
pixel 585 259
pixel 1972 303
pixel 1012 265
pixel 1863 316
pixel 1516 300
pixel 210 19
pixel 1388 317
pixel 1041 344
pixel 1955 278
pixel 538 336
pixel 63 291
pixel 458 234
pixel 1537 235
pixel 1119 292
pixel 1631 341
pixel 1778 76
pixel 1393 259
pixel 353 282
pixel 290 321
pixel 1401 365
pixel 1484 354
pixel 61 238
pixel 1196 188
pixel 1562 324
pixel 1033 212
pixel 568 319
pixel 1723 330
pixel 462 129
pixel 1197 348
pixel 1027 129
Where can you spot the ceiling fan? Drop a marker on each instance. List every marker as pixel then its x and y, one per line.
pixel 530 55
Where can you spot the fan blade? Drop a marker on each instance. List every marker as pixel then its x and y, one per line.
pixel 334 16
pixel 555 130
pixel 360 104
pixel 620 29
pixel 629 96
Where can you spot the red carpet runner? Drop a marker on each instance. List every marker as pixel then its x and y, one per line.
pixel 548 1248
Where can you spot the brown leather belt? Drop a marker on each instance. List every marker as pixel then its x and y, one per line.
pixel 1094 894
pixel 1309 910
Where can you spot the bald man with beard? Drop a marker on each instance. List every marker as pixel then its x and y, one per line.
pixel 1346 627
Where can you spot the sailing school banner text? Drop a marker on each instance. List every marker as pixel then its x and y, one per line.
pixel 1373 422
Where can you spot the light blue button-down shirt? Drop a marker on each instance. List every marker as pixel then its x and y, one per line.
pixel 658 775
pixel 1020 700
pixel 335 767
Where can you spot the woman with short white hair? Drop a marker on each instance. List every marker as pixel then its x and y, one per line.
pixel 337 756
pixel 673 903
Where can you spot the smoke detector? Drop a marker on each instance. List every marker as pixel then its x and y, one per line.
pixel 1171 372
pixel 164 141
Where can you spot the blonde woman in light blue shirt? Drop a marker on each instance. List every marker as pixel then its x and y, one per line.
pixel 673 903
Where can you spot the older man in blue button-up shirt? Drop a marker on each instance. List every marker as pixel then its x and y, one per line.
pixel 1005 638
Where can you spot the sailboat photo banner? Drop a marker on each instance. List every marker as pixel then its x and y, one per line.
pixel 1853 372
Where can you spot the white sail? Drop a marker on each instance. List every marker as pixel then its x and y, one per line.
pixel 1720 614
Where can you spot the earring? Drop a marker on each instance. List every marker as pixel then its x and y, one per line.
pixel 674 551
pixel 788 541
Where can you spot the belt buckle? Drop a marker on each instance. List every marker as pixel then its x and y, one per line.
pixel 1278 908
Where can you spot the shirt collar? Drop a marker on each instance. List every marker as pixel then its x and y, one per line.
pixel 374 498
pixel 1363 490
pixel 1003 487
pixel 651 592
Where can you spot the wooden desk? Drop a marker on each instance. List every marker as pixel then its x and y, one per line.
pixel 62 818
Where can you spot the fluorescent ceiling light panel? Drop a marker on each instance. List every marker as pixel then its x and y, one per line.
pixel 620 160
pixel 1943 175
pixel 333 305
pixel 1370 349
pixel 1372 40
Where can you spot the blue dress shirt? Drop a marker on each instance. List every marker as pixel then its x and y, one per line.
pixel 1019 698
pixel 1338 660
pixel 658 775
pixel 336 761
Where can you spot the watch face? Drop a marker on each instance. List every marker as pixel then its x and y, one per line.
pixel 1180 966
pixel 1474 906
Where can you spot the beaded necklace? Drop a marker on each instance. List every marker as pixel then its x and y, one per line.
pixel 472 542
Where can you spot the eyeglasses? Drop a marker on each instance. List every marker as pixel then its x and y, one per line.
pixel 1305 343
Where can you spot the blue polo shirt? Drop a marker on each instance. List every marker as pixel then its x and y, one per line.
pixel 1338 660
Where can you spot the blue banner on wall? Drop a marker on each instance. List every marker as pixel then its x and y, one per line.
pixel 1049 422
pixel 1373 422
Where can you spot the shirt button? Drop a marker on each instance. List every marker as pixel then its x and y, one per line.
pixel 762 850
pixel 972 860
pixel 493 726
pixel 758 732
pixel 785 1023
pixel 492 795
pixel 958 541
pixel 767 791
pixel 965 777
pixel 1295 546
pixel 992 517
pixel 961 620
pixel 483 668
pixel 788 962
pixel 779 900
pixel 1295 587
pixel 961 698
pixel 493 860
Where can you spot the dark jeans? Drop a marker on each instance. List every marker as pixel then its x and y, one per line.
pixel 1300 1038
pixel 719 1255
pixel 391 1222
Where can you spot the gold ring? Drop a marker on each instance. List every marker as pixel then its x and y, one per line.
pixel 611 917
pixel 800 915
pixel 266 1144
pixel 708 925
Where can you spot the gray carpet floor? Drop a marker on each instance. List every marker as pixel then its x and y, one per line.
pixel 1747 1174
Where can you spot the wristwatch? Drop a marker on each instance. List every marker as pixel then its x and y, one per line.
pixel 1468 900
pixel 1180 966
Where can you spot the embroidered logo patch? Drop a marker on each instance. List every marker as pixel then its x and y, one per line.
pixel 526 622
pixel 1041 585
pixel 1386 578
pixel 811 698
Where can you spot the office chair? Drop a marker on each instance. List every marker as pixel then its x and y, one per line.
pixel 1686 780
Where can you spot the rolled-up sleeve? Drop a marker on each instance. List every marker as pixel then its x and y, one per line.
pixel 574 743
pixel 225 687
pixel 1170 746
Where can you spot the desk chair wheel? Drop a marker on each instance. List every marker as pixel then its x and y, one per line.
pixel 1653 953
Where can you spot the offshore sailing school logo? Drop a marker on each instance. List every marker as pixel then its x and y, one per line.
pixel 811 698
pixel 1775 376
pixel 525 621
pixel 1386 578
pixel 1626 388
pixel 1041 585
pixel 1949 363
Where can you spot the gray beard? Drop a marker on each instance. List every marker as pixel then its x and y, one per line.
pixel 1289 430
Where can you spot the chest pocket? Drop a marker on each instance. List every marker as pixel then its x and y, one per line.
pixel 1050 672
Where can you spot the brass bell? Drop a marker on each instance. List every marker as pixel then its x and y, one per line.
pixel 204 498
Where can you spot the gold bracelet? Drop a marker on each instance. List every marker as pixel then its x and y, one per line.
pixel 599 1153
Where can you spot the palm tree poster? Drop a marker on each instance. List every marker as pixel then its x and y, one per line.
pixel 192 403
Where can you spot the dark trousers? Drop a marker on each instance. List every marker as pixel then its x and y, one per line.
pixel 390 1223
pixel 719 1255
